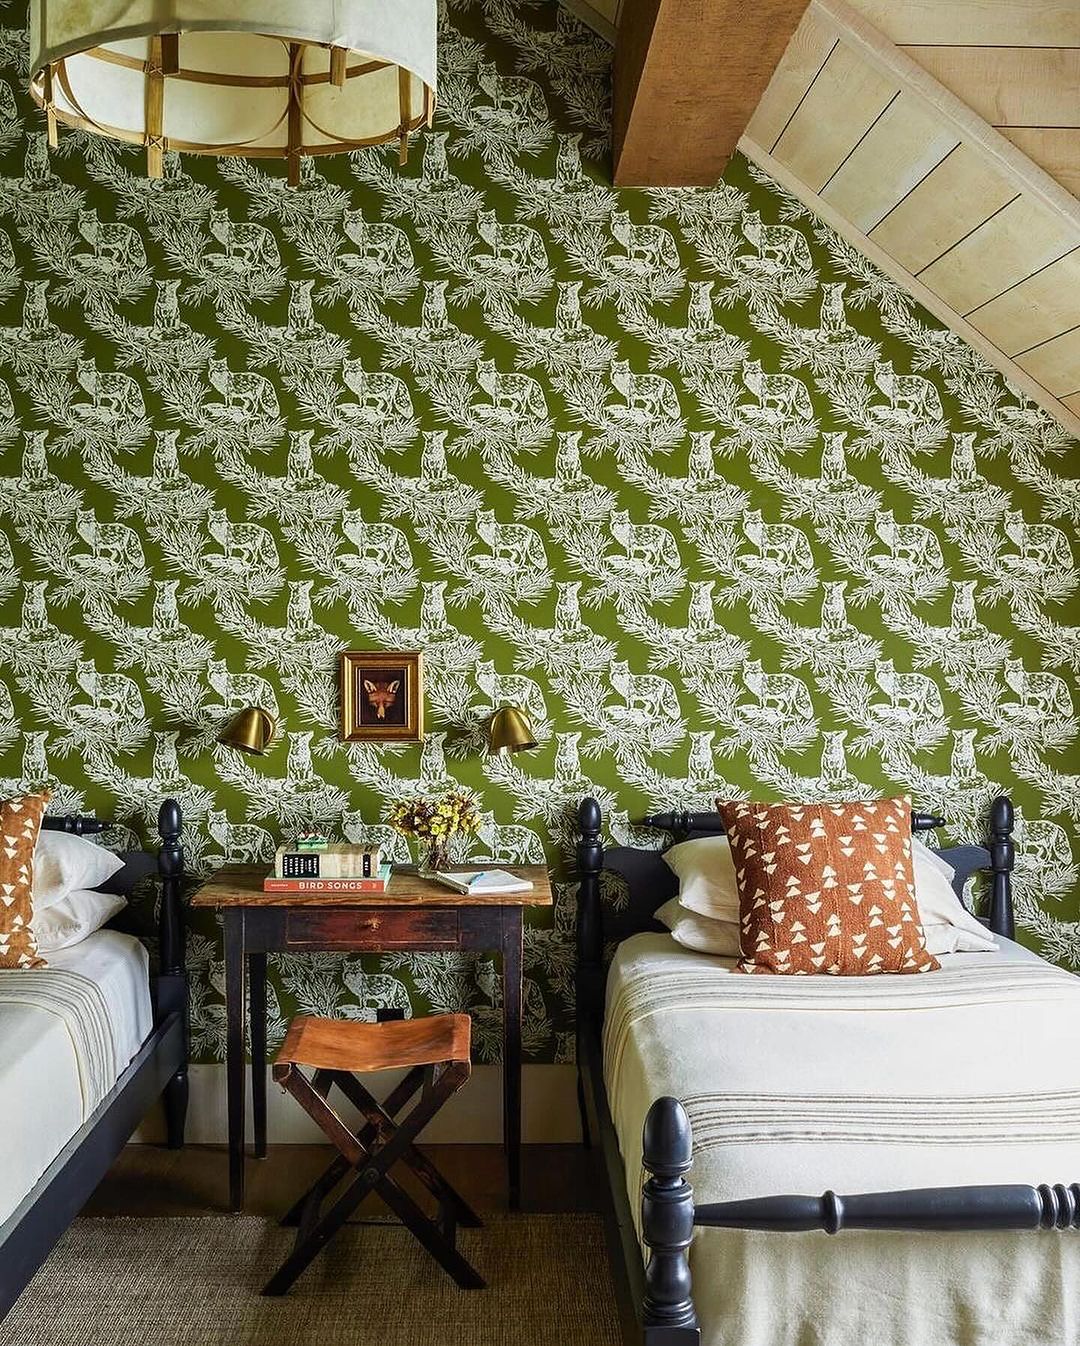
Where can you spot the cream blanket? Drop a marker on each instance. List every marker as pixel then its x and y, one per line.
pixel 78 1004
pixel 967 1075
pixel 66 1033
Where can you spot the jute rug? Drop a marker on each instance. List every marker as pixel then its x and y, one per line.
pixel 156 1282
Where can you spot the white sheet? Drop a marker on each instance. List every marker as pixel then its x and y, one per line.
pixel 968 1075
pixel 66 1034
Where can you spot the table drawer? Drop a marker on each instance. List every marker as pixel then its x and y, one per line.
pixel 367 928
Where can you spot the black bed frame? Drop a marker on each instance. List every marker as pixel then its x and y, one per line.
pixel 656 1306
pixel 159 1069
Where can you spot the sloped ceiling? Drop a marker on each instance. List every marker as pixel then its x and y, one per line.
pixel 951 166
pixel 1016 63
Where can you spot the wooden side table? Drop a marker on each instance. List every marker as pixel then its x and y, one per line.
pixel 414 915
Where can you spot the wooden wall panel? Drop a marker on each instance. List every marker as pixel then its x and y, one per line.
pixel 996 23
pixel 840 106
pixel 952 200
pixel 893 157
pixel 1010 86
pixel 1034 310
pixel 1020 239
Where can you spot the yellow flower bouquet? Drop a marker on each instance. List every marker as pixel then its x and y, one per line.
pixel 435 824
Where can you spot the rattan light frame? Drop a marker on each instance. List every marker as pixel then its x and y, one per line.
pixel 302 135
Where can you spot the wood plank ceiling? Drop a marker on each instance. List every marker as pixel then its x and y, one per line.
pixel 924 187
pixel 940 137
pixel 1014 62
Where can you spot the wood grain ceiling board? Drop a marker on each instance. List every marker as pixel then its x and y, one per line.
pixel 1019 240
pixel 1056 364
pixel 1009 86
pixel 1054 148
pixel 996 23
pixel 899 150
pixel 841 105
pixel 809 49
pixel 951 201
pixel 1035 310
pixel 914 287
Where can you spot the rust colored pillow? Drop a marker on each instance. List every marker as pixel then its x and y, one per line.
pixel 20 823
pixel 826 888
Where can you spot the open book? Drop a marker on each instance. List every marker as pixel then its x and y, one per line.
pixel 486 881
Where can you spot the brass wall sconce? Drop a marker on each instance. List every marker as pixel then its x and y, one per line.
pixel 250 730
pixel 510 732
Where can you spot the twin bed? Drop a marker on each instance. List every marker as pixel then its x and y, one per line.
pixel 940 1101
pixel 946 1103
pixel 87 1044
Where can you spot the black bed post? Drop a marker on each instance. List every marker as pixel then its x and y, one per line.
pixel 172 980
pixel 667 1226
pixel 1002 859
pixel 590 937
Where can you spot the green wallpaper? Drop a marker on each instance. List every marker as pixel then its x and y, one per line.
pixel 678 470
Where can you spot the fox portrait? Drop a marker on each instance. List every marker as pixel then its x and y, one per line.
pixel 382 694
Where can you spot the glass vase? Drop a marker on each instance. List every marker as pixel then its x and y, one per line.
pixel 434 855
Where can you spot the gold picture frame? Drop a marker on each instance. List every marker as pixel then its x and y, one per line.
pixel 382 696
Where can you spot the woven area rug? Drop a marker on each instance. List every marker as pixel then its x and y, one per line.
pixel 127 1282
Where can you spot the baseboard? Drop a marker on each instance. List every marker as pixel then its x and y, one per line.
pixel 473 1116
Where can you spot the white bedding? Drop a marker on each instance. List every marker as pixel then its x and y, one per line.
pixel 968 1075
pixel 67 1032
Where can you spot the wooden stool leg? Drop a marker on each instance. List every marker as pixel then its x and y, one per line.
pixel 430 1235
pixel 402 1091
pixel 377 1114
pixel 373 1168
pixel 321 1082
pixel 323 1185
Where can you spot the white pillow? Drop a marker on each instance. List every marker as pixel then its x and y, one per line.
pixel 707 887
pixel 700 932
pixel 949 926
pixel 75 916
pixel 706 874
pixel 63 861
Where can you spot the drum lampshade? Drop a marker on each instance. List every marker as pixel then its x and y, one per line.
pixel 260 78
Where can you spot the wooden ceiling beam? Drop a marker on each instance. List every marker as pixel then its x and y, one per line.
pixel 688 75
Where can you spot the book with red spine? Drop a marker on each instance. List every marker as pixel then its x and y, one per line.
pixel 329 886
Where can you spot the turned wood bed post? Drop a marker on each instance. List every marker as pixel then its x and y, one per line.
pixel 590 935
pixel 589 985
pixel 1002 859
pixel 667 1226
pixel 173 994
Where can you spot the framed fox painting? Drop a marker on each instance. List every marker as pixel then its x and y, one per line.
pixel 382 696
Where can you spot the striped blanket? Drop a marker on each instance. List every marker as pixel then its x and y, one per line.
pixel 967 1075
pixel 78 1003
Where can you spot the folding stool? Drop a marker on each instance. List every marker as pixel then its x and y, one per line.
pixel 435 1052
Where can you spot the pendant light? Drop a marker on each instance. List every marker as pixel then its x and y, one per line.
pixel 257 78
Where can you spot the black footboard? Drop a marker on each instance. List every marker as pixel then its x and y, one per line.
pixel 668 1217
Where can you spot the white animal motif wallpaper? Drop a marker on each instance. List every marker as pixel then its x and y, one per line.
pixel 677 471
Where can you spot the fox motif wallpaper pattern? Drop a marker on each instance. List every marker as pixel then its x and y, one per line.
pixel 677 471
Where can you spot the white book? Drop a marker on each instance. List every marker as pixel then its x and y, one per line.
pixel 484 881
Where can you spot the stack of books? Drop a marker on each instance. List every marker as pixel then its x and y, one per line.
pixel 315 865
